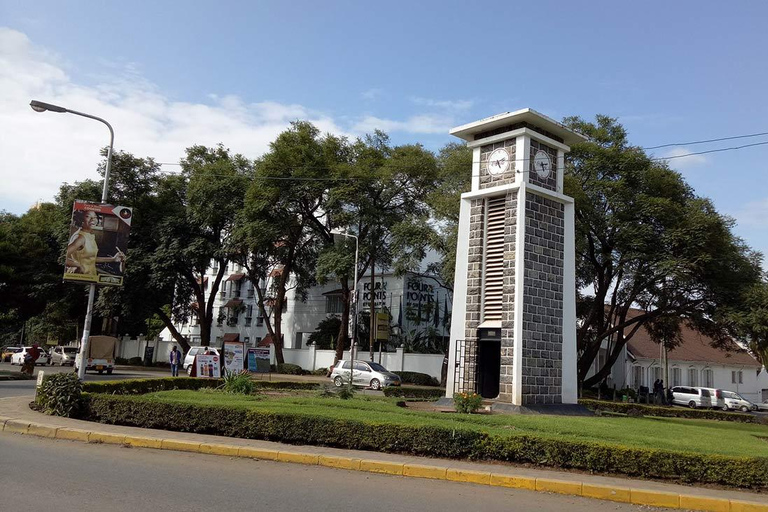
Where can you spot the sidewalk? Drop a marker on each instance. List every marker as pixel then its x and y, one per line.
pixel 17 417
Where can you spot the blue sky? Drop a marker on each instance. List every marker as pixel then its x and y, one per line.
pixel 171 74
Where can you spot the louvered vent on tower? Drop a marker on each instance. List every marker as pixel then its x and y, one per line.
pixel 493 269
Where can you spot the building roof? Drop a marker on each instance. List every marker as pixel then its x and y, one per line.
pixel 231 336
pixel 470 130
pixel 695 347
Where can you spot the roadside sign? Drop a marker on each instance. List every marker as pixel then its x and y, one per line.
pixel 382 326
pixel 258 360
pixel 234 357
pixel 208 366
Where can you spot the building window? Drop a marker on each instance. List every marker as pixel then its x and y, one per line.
pixel 693 377
pixel 334 304
pixel 677 376
pixel 250 290
pixel 258 340
pixel 708 378
pixel 737 377
pixel 637 376
pixel 655 373
pixel 248 314
pixel 246 340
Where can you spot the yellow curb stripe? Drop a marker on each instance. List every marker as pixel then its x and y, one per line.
pixel 606 492
pixel 558 486
pixel 378 466
pixel 2 423
pixel 72 434
pixel 298 458
pixel 257 453
pixel 515 482
pixel 181 446
pixel 143 442
pixel 748 506
pixel 339 462
pixel 420 471
pixel 219 449
pixel 654 498
pixel 103 437
pixel 472 477
pixel 704 503
pixel 41 430
pixel 16 427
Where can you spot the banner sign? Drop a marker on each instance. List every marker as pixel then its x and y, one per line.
pixel 208 366
pixel 258 360
pixel 382 326
pixel 234 356
pixel 98 240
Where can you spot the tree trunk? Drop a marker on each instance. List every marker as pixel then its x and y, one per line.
pixel 181 340
pixel 372 322
pixel 341 339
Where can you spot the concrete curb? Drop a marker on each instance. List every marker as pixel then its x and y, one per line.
pixel 633 495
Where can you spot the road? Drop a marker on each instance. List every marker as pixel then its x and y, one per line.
pixel 71 476
pixel 27 387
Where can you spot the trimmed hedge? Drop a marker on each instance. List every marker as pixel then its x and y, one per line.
pixel 667 412
pixel 142 386
pixel 419 379
pixel 296 428
pixel 411 392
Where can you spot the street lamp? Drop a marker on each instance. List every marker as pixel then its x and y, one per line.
pixel 39 106
pixel 353 307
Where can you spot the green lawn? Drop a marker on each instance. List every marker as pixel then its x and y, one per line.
pixel 694 436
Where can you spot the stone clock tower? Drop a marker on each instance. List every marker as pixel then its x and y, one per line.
pixel 513 331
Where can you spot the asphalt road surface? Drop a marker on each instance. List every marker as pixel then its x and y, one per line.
pixel 27 387
pixel 70 476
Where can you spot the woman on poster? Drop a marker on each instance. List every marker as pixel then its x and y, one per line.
pixel 82 250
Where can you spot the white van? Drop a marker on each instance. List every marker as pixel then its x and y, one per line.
pixel 734 401
pixel 695 397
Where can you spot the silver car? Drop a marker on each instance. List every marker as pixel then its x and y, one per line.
pixel 735 401
pixel 63 356
pixel 365 374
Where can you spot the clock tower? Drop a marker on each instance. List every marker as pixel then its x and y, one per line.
pixel 513 330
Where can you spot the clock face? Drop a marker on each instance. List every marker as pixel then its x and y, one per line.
pixel 498 162
pixel 543 164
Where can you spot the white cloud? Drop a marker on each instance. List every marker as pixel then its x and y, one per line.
pixel 444 104
pixel 372 94
pixel 753 214
pixel 415 124
pixel 682 158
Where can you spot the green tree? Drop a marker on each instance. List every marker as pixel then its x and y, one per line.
pixel 649 249
pixel 749 320
pixel 324 337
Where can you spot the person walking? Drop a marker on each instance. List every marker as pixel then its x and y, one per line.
pixel 175 359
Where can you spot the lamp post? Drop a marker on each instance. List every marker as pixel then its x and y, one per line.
pixel 39 106
pixel 353 306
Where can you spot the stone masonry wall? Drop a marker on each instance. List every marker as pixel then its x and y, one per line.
pixel 550 183
pixel 474 284
pixel 543 301
pixel 508 315
pixel 488 180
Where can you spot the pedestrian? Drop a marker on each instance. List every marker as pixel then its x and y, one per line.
pixel 175 359
pixel 656 400
pixel 662 396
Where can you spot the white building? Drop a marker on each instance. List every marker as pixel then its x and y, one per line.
pixel 695 362
pixel 416 303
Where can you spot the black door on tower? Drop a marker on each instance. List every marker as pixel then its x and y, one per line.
pixel 488 362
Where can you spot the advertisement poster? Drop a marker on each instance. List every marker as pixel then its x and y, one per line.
pixel 98 241
pixel 208 366
pixel 234 356
pixel 258 360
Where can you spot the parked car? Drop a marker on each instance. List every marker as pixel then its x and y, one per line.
pixel 18 357
pixel 695 397
pixel 734 401
pixel 8 352
pixel 189 359
pixel 762 406
pixel 63 356
pixel 365 374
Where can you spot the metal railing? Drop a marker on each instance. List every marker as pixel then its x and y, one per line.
pixel 465 371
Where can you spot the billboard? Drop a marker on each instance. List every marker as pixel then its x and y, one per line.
pixel 258 360
pixel 234 356
pixel 98 240
pixel 208 366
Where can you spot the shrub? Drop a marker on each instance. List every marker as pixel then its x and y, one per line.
pixel 629 392
pixel 238 382
pixel 414 393
pixel 322 372
pixel 142 386
pixel 467 403
pixel 435 441
pixel 290 369
pixel 419 379
pixel 60 394
pixel 667 412
pixel 346 392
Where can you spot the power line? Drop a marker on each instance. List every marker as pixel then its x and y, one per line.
pixel 706 141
